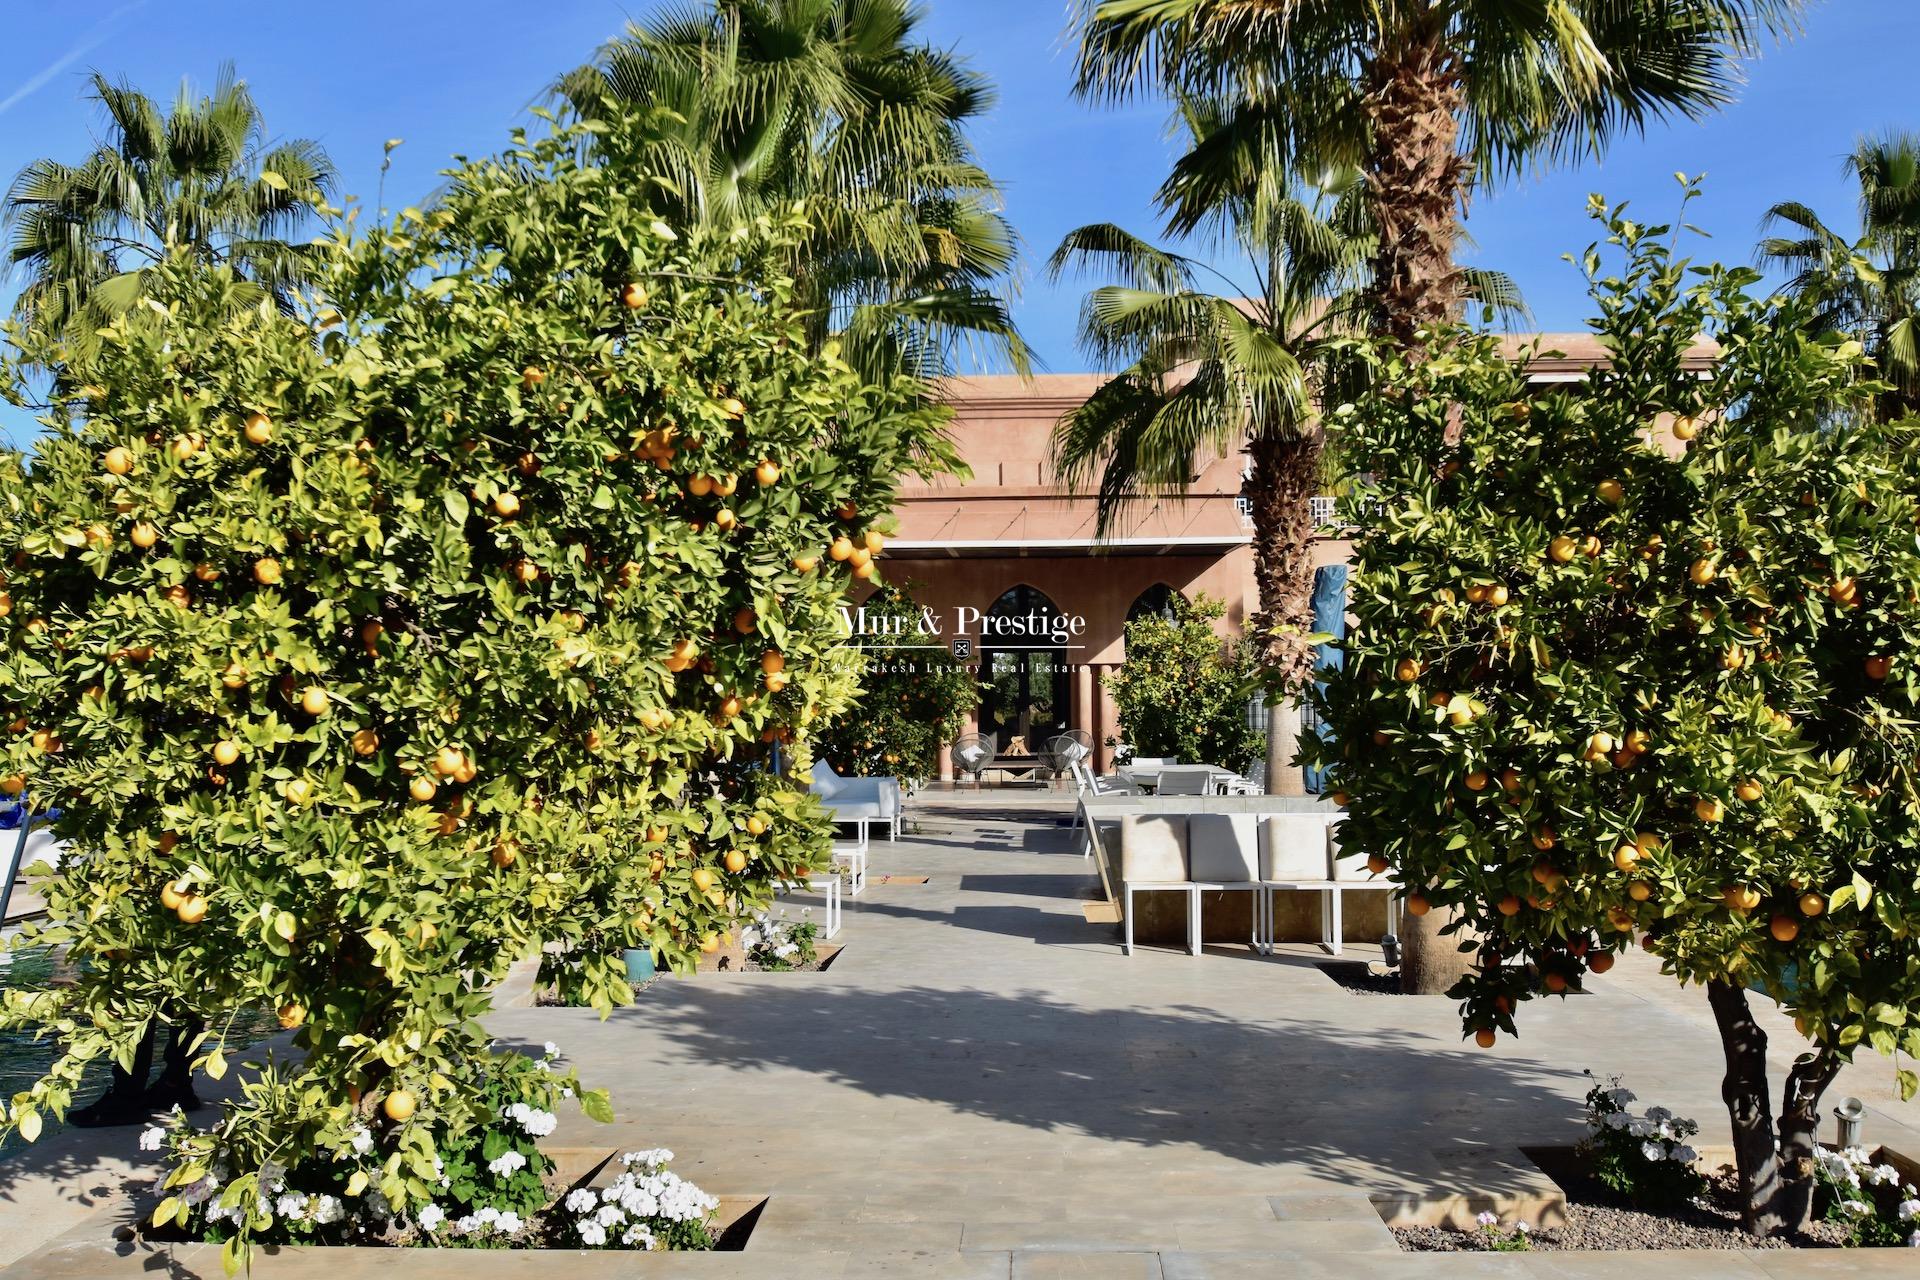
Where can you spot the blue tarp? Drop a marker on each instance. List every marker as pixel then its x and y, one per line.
pixel 1329 618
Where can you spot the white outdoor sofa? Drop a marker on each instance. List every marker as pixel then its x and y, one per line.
pixel 858 802
pixel 1255 844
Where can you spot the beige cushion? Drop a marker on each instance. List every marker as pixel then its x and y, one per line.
pixel 1223 848
pixel 1293 848
pixel 1347 867
pixel 1153 848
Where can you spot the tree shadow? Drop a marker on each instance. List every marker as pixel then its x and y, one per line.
pixel 1371 1105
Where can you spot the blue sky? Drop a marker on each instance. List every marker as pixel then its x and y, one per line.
pixel 453 77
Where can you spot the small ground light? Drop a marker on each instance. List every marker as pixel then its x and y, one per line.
pixel 1849 1115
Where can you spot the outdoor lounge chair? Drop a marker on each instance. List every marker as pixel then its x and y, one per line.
pixel 1087 783
pixel 859 802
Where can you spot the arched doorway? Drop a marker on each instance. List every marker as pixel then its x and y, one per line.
pixel 1157 601
pixel 1023 682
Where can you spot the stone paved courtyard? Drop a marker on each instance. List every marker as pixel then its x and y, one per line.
pixel 983 1085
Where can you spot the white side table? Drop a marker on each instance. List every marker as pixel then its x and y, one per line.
pixel 855 858
pixel 828 887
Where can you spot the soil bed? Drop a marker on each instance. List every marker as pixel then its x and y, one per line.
pixel 1596 1220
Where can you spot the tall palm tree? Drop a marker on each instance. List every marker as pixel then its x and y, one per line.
pixel 1425 96
pixel 1205 371
pixel 838 103
pixel 1867 287
pixel 202 179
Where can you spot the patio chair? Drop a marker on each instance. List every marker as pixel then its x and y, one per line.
pixel 1223 854
pixel 972 754
pixel 1185 784
pixel 1153 858
pixel 859 802
pixel 1087 783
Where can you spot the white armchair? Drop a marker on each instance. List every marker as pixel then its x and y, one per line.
pixel 859 802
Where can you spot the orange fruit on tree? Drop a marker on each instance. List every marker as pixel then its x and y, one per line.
pixel 1340 798
pixel 702 879
pixel 1417 904
pixel 1602 962
pixel 744 620
pixel 1625 857
pixel 841 548
pixel 422 788
pixel 766 473
pixel 447 761
pixel 143 535
pixel 234 676
pixel 736 861
pixel 365 742
pixel 315 701
pixel 1709 809
pixel 1783 928
pixel 1544 838
pixel 726 484
pixel 875 540
pixel 299 791
pixel 1562 549
pixel 724 518
pixel 864 572
pixel 1554 982
pixel 710 944
pixel 1812 904
pixel 1610 492
pixel 756 825
pixel 118 460
pixel 776 681
pixel 1377 863
pixel 731 706
pixel 225 752
pixel 266 571
pixel 505 853
pixel 1703 572
pixel 1477 780
pixel 1748 790
pixel 633 296
pixel 1498 594
pixel 259 428
pixel 1740 897
pixel 174 892
pixel 399 1106
pixel 13 784
pixel 532 376
pixel 1509 905
pixel 1878 667
pixel 805 564
pixel 191 910
pixel 1639 891
pixel 506 505
pixel 1485 1037
pixel 292 1014
pixel 1590 546
pixel 1407 670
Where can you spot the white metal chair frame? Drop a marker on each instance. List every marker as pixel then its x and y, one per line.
pixel 1091 784
pixel 828 887
pixel 855 859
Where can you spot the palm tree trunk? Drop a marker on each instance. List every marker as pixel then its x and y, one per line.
pixel 1417 186
pixel 1284 479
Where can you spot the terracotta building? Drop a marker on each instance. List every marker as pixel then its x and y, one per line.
pixel 1009 564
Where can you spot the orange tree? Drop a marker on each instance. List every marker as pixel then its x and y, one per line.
pixel 1600 691
pixel 368 655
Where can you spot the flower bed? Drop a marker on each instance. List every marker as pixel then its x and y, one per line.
pixel 1635 1182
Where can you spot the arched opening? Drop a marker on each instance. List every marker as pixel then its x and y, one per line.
pixel 1023 673
pixel 1157 601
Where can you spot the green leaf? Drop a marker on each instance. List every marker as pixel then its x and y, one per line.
pixel 597 1105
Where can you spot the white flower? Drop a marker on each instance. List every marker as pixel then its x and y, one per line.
pixel 1619 1097
pixel 1659 1115
pixel 292 1205
pixel 361 1139
pixel 1859 1208
pixel 1640 1129
pixel 1685 1154
pixel 1486 1219
pixel 1617 1120
pixel 1884 1175
pixel 553 1050
pixel 431 1217
pixel 1521 1228
pixel 610 1214
pixel 749 938
pixel 328 1210
pixel 579 1200
pixel 509 1223
pixel 1652 1151
pixel 200 1191
pixel 152 1138
pixel 507 1164
pixel 1913 1241
pixel 592 1234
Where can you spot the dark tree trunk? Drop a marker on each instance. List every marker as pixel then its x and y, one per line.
pixel 1800 1134
pixel 1749 1107
pixel 1285 477
pixel 1417 186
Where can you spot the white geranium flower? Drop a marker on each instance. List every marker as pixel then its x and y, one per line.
pixel 1619 1097
pixel 509 1223
pixel 553 1050
pixel 1486 1219
pixel 153 1138
pixel 431 1217
pixel 292 1206
pixel 1909 1210
pixel 592 1234
pixel 1859 1208
pixel 361 1140
pixel 1652 1151
pixel 579 1200
pixel 506 1164
pixel 328 1210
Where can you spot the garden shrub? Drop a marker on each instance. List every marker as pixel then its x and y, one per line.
pixel 1183 690
pixel 912 701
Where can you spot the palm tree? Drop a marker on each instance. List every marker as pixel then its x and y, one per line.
pixel 1868 288
pixel 1426 97
pixel 835 102
pixel 1205 372
pixel 201 180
